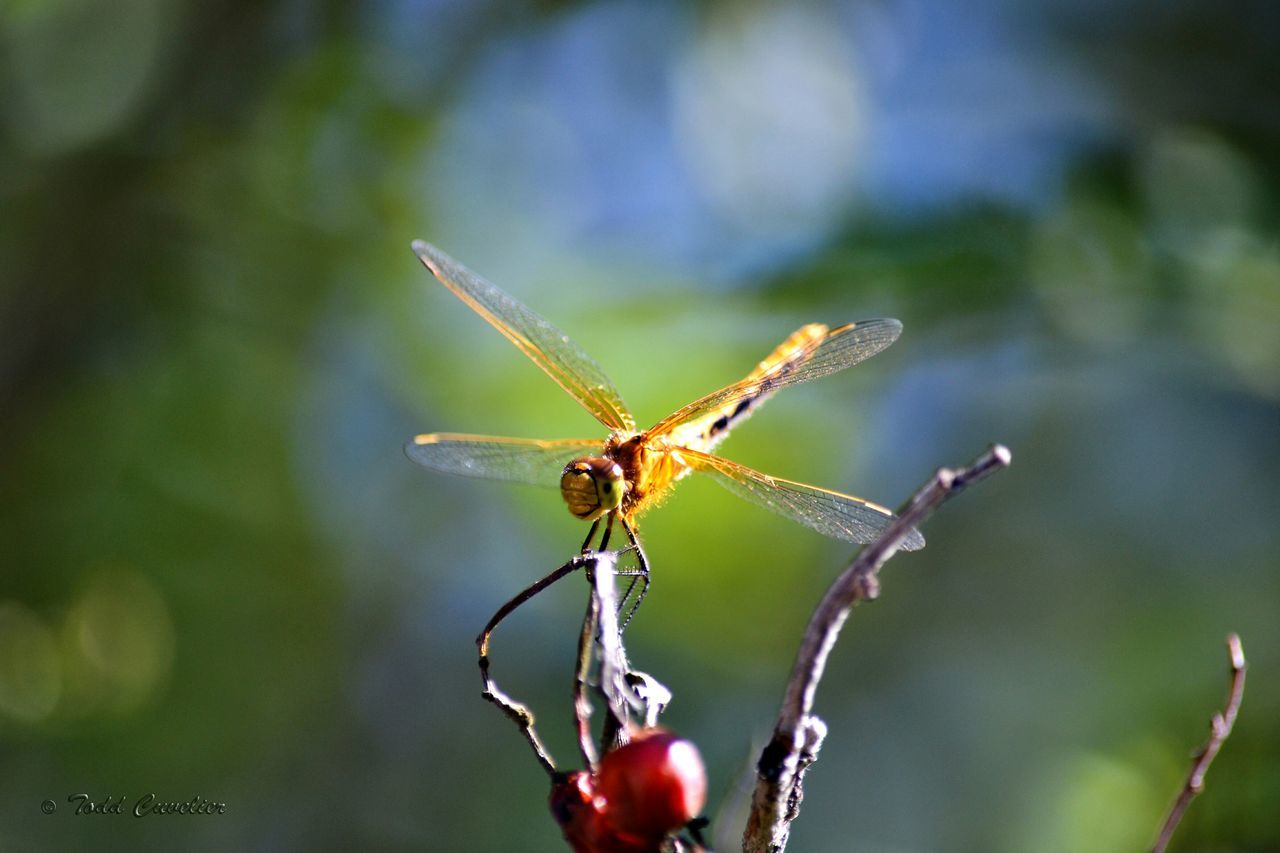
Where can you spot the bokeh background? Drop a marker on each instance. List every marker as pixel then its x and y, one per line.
pixel 222 578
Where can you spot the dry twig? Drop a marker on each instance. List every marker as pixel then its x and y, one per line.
pixel 1219 730
pixel 625 692
pixel 797 735
pixel 518 712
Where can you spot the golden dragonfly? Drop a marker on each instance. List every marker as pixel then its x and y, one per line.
pixel 630 471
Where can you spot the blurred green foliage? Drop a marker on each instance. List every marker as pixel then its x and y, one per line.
pixel 223 579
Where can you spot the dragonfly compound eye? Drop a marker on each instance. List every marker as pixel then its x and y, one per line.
pixel 592 486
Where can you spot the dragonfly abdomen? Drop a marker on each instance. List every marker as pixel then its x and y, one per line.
pixel 706 433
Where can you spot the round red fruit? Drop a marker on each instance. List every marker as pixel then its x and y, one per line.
pixel 652 785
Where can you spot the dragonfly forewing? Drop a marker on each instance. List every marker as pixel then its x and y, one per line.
pixel 548 347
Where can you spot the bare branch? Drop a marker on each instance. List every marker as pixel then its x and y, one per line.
pixel 520 714
pixel 581 676
pixel 797 735
pixel 1219 730
pixel 618 696
pixel 515 711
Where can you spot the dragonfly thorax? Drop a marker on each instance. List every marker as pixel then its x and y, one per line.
pixel 592 486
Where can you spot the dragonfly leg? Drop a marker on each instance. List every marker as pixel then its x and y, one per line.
pixel 608 530
pixel 591 534
pixel 641 577
pixel 603 546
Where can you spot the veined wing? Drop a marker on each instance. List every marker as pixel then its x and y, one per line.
pixel 830 513
pixel 522 460
pixel 812 358
pixel 707 430
pixel 548 347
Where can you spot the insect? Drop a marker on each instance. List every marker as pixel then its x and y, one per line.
pixel 631 470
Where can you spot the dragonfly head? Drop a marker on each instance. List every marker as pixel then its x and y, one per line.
pixel 592 486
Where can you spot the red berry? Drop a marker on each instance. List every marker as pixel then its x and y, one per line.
pixel 573 803
pixel 651 786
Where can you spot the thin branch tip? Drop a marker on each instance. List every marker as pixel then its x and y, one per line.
pixel 1236 651
pixel 1220 725
pixel 797 734
pixel 997 457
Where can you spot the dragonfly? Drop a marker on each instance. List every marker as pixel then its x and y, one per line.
pixel 630 471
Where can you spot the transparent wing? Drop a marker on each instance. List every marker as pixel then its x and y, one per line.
pixel 521 460
pixel 841 347
pixel 830 513
pixel 548 347
pixel 706 430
